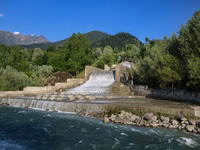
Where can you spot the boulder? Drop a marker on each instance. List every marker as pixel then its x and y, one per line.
pixel 149 117
pixel 174 122
pixel 112 117
pixel 105 119
pixel 133 117
pixel 138 120
pixel 172 126
pixel 189 128
pixel 118 120
pixel 166 125
pixel 154 124
pixel 164 119
pixel 183 119
pixel 192 122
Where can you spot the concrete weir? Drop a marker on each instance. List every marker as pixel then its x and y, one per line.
pixel 136 105
pixel 101 93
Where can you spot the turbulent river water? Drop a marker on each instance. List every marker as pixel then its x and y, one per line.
pixel 27 129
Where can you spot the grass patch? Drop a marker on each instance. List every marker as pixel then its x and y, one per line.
pixel 81 74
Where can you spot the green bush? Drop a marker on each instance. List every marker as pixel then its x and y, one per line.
pixel 11 79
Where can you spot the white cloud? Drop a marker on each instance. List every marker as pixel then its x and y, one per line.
pixel 16 32
pixel 32 34
pixel 1 15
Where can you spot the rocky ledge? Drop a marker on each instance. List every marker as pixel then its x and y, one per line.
pixel 150 120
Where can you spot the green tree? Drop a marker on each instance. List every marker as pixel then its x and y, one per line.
pixel 51 49
pixel 189 37
pixel 37 52
pixel 194 73
pixel 38 73
pixel 79 52
pixel 17 59
pixel 116 54
pixel 11 79
pixel 97 52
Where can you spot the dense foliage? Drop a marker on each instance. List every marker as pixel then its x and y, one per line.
pixel 172 61
pixel 168 63
pixel 119 40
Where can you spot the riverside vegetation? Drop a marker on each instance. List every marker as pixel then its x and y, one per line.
pixel 160 63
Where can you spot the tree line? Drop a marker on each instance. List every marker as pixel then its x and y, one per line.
pixel 161 63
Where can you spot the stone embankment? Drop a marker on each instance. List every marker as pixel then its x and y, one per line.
pixel 150 120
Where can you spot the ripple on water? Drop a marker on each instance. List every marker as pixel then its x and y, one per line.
pixel 10 145
pixel 187 141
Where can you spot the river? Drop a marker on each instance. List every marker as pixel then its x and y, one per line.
pixel 28 129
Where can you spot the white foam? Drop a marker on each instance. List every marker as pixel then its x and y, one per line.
pixel 187 141
pixel 116 143
pixel 22 112
pixel 134 130
pixel 124 134
pixel 98 83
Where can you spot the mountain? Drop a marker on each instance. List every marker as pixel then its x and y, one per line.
pixel 98 39
pixel 93 36
pixel 119 40
pixel 10 39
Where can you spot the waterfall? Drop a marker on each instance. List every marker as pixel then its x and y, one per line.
pixel 99 82
pixel 53 105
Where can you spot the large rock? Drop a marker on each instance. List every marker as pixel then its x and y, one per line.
pixel 149 117
pixel 190 128
pixel 192 122
pixel 132 118
pixel 118 120
pixel 105 119
pixel 138 120
pixel 164 120
pixel 174 122
pixel 112 117
pixel 183 119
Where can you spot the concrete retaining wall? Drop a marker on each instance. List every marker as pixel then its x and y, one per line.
pixel 70 83
pixel 142 90
pixel 175 94
pixel 32 90
pixel 89 70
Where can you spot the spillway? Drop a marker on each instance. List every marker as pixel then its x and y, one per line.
pixel 100 82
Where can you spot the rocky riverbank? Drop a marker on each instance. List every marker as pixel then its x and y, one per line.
pixel 150 120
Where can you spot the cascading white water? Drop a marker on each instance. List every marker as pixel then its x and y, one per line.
pixel 52 105
pixel 99 83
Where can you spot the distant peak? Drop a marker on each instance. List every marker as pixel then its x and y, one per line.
pixel 16 33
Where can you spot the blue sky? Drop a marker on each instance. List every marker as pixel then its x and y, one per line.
pixel 58 19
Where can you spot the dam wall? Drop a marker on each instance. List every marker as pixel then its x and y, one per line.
pixel 92 107
pixel 89 70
